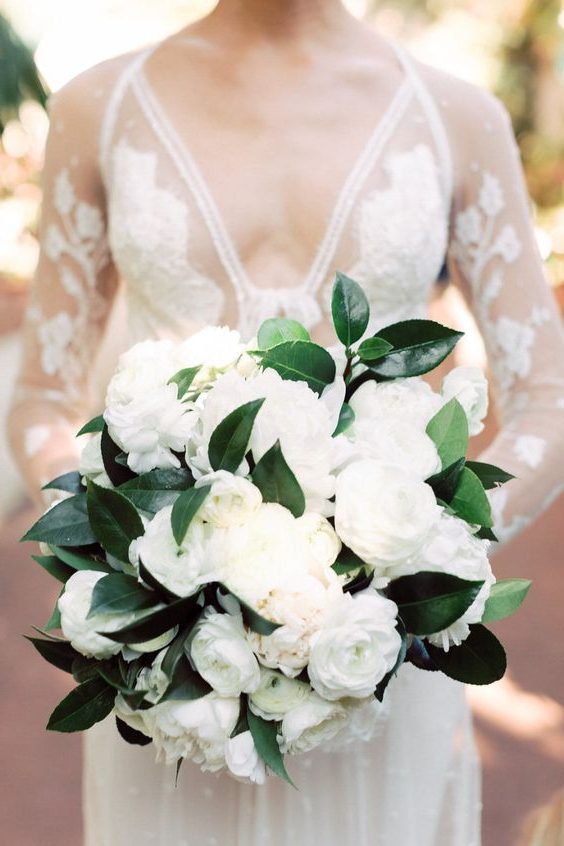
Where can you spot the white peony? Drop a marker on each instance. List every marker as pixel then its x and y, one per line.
pixel 243 760
pixel 143 367
pixel 470 387
pixel 400 399
pixel 91 465
pixel 383 513
pixel 231 501
pixel 198 729
pixel 81 630
pixel 310 724
pixel 356 647
pixel 182 569
pixel 277 694
pixel 214 348
pixel 222 655
pixel 399 442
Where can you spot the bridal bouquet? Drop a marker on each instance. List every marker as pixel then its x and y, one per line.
pixel 259 536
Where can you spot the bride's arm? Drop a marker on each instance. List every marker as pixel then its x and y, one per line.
pixel 71 296
pixel 494 257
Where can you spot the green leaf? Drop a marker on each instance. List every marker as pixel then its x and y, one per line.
pixel 114 520
pixel 152 582
pixel 54 567
pixel 56 652
pixel 266 743
pixel 347 562
pixel 183 379
pixel 70 482
pixel 186 683
pixel 229 440
pixel 346 419
pixel 54 621
pixel 80 562
pixel 487 534
pixel 116 471
pixel 175 652
pixel 277 330
pixel 470 501
pixel 83 669
pixel 118 593
pixel 505 598
pixel 418 347
pixel 448 430
pixel 444 484
pixel 110 673
pixel 350 310
pixel 184 510
pixel 156 489
pixel 383 684
pixel 489 475
pixel 183 612
pixel 276 481
pixel 242 724
pixel 131 735
pixel 431 602
pixel 360 582
pixel 301 361
pixel 418 656
pixel 371 349
pixel 87 704
pixel 252 619
pixel 94 425
pixel 66 524
pixel 480 659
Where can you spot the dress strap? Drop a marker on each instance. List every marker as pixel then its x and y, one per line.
pixel 435 122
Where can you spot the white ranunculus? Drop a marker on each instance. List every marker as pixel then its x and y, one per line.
pixel 197 729
pixel 222 655
pixel 81 630
pixel 470 387
pixel 243 760
pixel 399 399
pixel 214 348
pixel 357 645
pixel 182 569
pixel 151 427
pixel 397 442
pixel 292 413
pixel 310 724
pixel 277 694
pixel 91 465
pixel 324 543
pixel 383 513
pixel 231 501
pixel 145 366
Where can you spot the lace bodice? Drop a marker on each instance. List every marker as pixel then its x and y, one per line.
pixel 127 201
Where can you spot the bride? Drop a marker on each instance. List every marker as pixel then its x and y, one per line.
pixel 223 176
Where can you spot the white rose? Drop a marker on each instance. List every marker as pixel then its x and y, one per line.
pixel 91 465
pixel 277 694
pixel 243 760
pixel 399 442
pixel 182 569
pixel 410 398
pixel 324 543
pixel 470 387
pixel 310 724
pixel 222 655
pixel 151 427
pixel 231 501
pixel 383 513
pixel 356 647
pixel 214 348
pixel 81 630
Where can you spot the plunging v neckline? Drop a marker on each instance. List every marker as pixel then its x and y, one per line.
pixel 192 175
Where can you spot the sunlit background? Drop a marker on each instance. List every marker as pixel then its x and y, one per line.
pixel 513 47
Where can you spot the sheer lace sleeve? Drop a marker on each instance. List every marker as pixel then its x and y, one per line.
pixel 494 257
pixel 72 291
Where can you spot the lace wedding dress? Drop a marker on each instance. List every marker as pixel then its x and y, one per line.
pixel 125 198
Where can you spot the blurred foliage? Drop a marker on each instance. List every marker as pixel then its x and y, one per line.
pixel 19 77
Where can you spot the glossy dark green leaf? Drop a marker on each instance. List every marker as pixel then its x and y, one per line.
pixel 54 621
pixel 264 733
pixel 277 482
pixel 185 509
pixel 418 347
pixel 372 349
pixel 430 602
pixel 114 520
pixel 183 379
pixel 505 598
pixel 131 735
pixel 156 489
pixel 350 310
pixel 83 669
pixel 70 482
pixel 118 593
pixel 480 659
pixel 66 524
pixel 277 330
pixel 87 704
pixel 487 534
pixel 448 430
pixel 346 419
pixel 229 440
pixel 94 425
pixel 152 582
pixel 186 683
pixel 116 471
pixel 78 561
pixel 489 475
pixel 110 673
pixel 54 567
pixel 347 562
pixel 418 656
pixel 175 652
pixel 470 501
pixel 183 612
pixel 301 361
pixel 360 582
pixel 56 652
pixel 383 684
pixel 444 484
pixel 242 724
